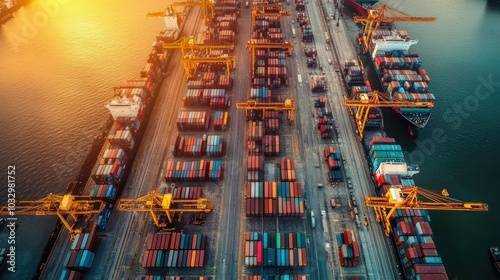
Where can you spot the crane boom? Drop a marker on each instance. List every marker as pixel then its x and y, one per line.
pixel 377 99
pixel 408 198
pixel 288 105
pixel 157 204
pixel 60 205
pixel 384 13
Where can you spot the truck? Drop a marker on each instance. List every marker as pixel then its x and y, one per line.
pixel 293 32
pixel 327 38
pixel 313 220
pixel 247 4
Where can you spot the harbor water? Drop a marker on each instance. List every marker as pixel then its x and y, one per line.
pixel 60 61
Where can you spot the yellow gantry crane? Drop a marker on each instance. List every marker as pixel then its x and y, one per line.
pixel 191 62
pixel 384 13
pixel 256 14
pixel 408 198
pixel 77 207
pixel 188 43
pixel 169 11
pixel 253 45
pixel 377 99
pixel 249 105
pixel 157 204
pixel 206 5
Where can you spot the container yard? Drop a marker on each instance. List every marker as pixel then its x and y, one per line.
pixel 187 186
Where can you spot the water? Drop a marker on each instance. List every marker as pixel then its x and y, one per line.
pixel 459 50
pixel 57 70
pixel 55 82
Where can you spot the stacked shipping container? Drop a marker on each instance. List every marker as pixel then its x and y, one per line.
pixel 348 248
pixel 286 170
pixel 82 252
pixel 333 161
pixel 174 249
pixel 274 199
pixel 280 249
pixel 193 171
pixel 324 117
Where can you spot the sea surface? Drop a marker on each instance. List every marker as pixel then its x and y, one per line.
pixel 59 63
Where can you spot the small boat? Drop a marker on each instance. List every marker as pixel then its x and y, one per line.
pixel 495 256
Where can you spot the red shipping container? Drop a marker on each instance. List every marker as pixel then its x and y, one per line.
pixel 193 244
pixel 145 259
pixel 202 259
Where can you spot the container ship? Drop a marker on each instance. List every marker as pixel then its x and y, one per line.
pixel 399 73
pixel 411 232
pixel 495 257
pixel 361 6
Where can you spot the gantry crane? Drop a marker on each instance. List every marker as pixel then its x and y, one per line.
pixel 253 44
pixel 265 7
pixel 408 198
pixel 188 43
pixel 377 99
pixel 206 5
pixel 157 204
pixel 374 17
pixel 169 11
pixel 61 205
pixel 263 14
pixel 249 105
pixel 190 63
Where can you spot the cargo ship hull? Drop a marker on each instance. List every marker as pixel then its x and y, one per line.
pixel 399 74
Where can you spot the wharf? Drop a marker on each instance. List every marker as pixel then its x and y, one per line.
pixel 122 243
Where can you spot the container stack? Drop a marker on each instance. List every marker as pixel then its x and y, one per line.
pixel 333 161
pixel 255 168
pixel 82 252
pixel 272 121
pixel 188 120
pixel 262 94
pixel 324 118
pixel 108 171
pixel 186 192
pixel 280 249
pixel 385 152
pixel 271 145
pixel 193 171
pixel 215 147
pixel 114 152
pixel 274 199
pixel 286 170
pixel 319 84
pixel 353 73
pixel 103 218
pixel 189 146
pixel 256 130
pixel 411 230
pixel 174 249
pixel 254 148
pixel 399 72
pixel 276 277
pixel 348 248
pixel 221 120
pixel 104 191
